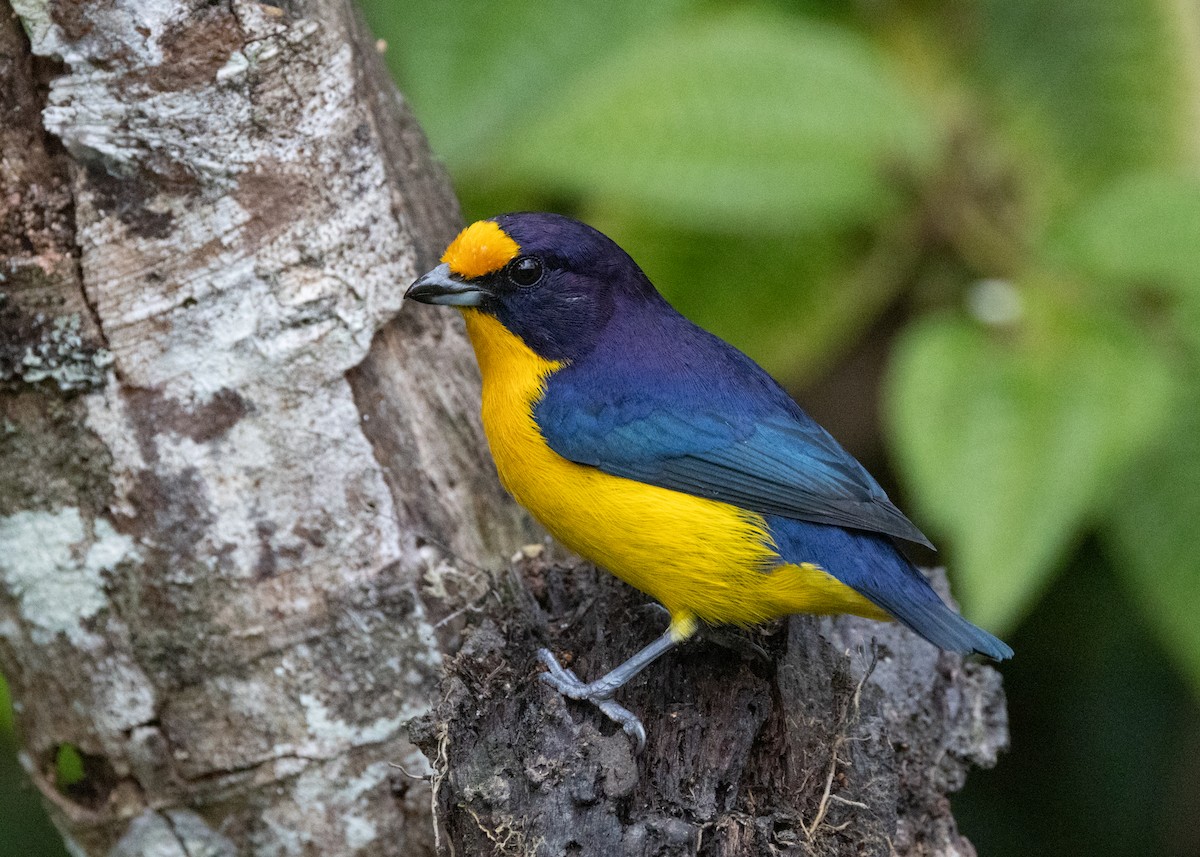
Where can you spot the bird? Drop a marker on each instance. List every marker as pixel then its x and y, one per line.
pixel 658 451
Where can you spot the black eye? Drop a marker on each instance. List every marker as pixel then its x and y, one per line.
pixel 525 270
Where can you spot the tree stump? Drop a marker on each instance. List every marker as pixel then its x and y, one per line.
pixel 816 736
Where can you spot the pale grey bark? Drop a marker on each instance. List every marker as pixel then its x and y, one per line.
pixel 225 513
pixel 236 502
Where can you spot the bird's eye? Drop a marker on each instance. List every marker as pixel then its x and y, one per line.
pixel 525 270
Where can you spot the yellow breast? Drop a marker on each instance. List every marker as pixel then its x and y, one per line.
pixel 700 558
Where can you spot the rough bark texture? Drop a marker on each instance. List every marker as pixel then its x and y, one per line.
pixel 816 737
pixel 220 554
pixel 242 516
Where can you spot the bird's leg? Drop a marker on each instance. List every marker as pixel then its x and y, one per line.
pixel 600 691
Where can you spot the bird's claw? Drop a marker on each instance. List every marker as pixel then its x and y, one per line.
pixel 561 678
pixel 569 685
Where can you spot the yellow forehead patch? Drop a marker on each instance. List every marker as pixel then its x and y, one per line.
pixel 481 248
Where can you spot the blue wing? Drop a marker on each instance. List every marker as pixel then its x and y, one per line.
pixel 705 420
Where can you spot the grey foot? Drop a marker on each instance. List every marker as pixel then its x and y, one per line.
pixel 598 693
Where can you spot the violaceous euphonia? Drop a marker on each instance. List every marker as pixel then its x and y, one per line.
pixel 662 453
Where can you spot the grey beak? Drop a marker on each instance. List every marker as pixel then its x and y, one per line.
pixel 439 286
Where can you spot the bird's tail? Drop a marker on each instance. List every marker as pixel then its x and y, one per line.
pixel 876 572
pixel 940 625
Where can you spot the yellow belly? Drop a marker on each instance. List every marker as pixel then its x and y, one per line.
pixel 700 558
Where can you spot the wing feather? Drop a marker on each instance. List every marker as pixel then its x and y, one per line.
pixel 780 462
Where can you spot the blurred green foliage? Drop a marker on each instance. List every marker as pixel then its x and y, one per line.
pixel 1013 443
pixel 68 766
pixel 24 828
pixel 1105 759
pixel 695 126
pixel 6 718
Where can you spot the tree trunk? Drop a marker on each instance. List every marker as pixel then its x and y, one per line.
pixel 243 516
pixel 224 509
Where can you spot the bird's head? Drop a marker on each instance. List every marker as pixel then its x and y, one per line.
pixel 551 280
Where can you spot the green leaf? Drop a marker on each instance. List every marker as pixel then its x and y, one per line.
pixel 746 121
pixel 1154 520
pixel 1097 86
pixel 1140 237
pixel 476 69
pixel 1009 438
pixel 68 766
pixel 1143 230
pixel 792 302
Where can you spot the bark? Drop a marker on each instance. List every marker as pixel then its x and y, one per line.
pixel 243 515
pixel 224 508
pixel 813 737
